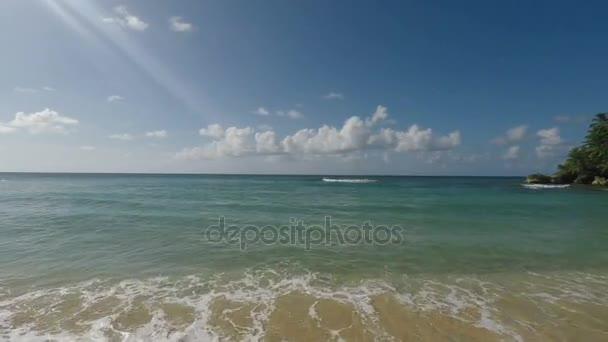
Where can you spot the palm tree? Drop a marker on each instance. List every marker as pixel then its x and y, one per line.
pixel 596 142
pixel 588 161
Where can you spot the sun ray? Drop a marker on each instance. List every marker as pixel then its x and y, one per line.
pixel 72 10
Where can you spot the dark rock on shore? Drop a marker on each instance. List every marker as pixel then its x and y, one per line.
pixel 539 178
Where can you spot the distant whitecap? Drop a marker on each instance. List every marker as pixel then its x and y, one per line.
pixel 545 186
pixel 349 180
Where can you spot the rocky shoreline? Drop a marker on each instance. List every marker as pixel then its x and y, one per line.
pixel 539 178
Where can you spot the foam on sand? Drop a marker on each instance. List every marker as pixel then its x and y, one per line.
pixel 267 305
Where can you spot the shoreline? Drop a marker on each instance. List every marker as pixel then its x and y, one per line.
pixel 269 305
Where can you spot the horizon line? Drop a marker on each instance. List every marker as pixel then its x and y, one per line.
pixel 244 174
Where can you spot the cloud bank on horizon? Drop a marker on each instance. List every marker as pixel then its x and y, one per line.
pixel 354 136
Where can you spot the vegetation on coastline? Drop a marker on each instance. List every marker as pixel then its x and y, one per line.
pixel 586 164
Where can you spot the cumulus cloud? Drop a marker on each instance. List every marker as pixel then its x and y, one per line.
pixel 511 153
pixel 356 135
pixel 47 88
pixel 551 143
pixel 266 143
pixel 213 131
pixel 413 139
pixel 379 115
pixel 125 19
pixel 121 136
pixel 261 111
pixel 512 135
pixel 157 134
pixel 333 96
pixel 115 98
pixel 177 24
pixel 87 148
pixel 232 142
pixel 45 121
pixel 549 136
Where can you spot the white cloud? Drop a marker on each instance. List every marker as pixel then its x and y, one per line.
pixel 334 96
pixel 115 98
pixel 122 136
pixel 445 142
pixel 511 153
pixel 292 113
pixel 379 115
pixel 551 143
pixel 356 135
pixel 512 135
pixel 261 111
pixel 266 143
pixel 157 134
pixel 414 139
pixel 6 129
pixel 549 136
pixel 176 24
pixel 213 131
pixel 87 148
pixel 234 142
pixel 19 89
pixel 45 121
pixel 124 18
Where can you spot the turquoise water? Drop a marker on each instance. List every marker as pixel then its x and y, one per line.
pixel 71 224
pixel 59 230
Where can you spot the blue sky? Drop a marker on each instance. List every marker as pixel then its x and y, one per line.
pixel 322 87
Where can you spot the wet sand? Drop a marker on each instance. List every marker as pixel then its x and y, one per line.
pixel 266 307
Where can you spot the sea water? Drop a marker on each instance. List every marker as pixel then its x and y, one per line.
pixel 132 258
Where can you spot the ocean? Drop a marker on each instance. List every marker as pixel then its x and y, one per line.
pixel 86 257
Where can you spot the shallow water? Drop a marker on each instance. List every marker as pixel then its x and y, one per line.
pixel 128 258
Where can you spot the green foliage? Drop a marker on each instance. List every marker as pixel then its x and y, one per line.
pixel 590 160
pixel 596 143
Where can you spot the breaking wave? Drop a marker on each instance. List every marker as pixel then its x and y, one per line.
pixel 259 304
pixel 545 186
pixel 349 180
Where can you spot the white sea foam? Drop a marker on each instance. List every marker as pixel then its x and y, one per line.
pixel 545 186
pixel 262 288
pixel 349 180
